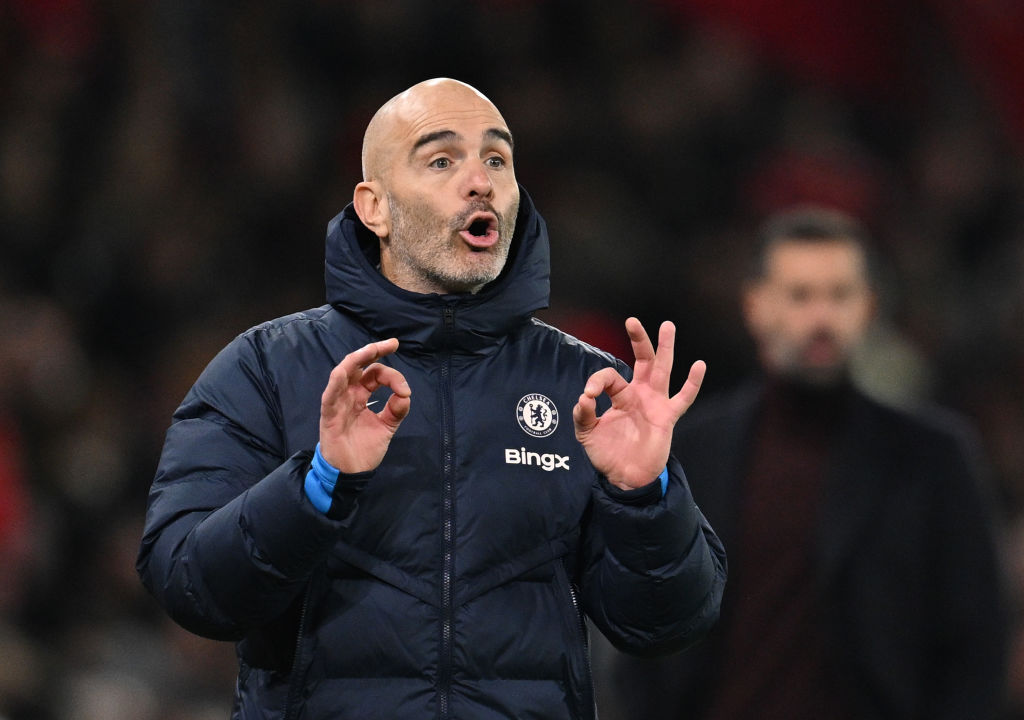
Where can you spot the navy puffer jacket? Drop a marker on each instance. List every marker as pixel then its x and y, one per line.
pixel 453 582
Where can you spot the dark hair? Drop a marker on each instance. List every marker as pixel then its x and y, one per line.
pixel 809 224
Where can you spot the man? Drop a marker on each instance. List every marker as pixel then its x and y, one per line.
pixel 864 580
pixel 383 500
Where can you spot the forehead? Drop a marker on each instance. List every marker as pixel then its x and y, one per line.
pixel 822 261
pixel 460 110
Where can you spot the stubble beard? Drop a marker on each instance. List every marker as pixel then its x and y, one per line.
pixel 428 254
pixel 791 364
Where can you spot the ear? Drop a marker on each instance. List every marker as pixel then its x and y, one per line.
pixel 372 208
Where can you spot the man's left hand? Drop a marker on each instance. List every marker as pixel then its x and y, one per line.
pixel 629 443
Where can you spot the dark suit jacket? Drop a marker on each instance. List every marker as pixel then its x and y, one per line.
pixel 906 559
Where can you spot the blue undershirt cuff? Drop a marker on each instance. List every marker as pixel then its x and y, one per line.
pixel 320 481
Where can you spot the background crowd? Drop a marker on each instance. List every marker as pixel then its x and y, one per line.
pixel 167 170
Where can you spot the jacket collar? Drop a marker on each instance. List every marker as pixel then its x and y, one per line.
pixel 430 322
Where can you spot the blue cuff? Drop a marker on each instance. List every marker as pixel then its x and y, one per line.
pixel 663 477
pixel 320 482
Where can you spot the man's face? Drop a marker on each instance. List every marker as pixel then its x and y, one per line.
pixel 811 309
pixel 450 193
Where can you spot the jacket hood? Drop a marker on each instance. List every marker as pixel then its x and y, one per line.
pixel 356 287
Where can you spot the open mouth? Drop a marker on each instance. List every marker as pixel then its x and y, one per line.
pixel 482 231
pixel 822 349
pixel 479 228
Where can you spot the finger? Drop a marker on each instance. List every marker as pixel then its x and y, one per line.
pixel 643 350
pixel 584 414
pixel 397 406
pixel 377 374
pixel 395 410
pixel 369 353
pixel 683 399
pixel 350 369
pixel 661 373
pixel 606 380
pixel 337 383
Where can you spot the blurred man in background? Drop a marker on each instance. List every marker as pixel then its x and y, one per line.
pixel 864 577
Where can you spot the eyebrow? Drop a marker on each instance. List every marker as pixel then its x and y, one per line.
pixel 499 134
pixel 451 135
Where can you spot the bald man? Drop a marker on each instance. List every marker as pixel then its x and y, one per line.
pixel 405 503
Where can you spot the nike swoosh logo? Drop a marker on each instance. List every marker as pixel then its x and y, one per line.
pixel 372 402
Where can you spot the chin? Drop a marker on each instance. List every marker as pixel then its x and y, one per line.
pixel 479 276
pixel 821 377
pixel 467 284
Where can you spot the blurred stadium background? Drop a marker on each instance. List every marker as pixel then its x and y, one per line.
pixel 167 170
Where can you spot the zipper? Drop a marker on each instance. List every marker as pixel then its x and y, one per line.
pixel 291 702
pixel 583 694
pixel 447 526
pixel 587 691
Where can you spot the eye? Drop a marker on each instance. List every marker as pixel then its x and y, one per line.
pixel 842 294
pixel 799 294
pixel 441 163
pixel 495 161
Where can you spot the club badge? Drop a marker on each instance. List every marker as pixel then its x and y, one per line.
pixel 537 415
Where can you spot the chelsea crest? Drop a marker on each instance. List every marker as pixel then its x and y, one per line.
pixel 537 415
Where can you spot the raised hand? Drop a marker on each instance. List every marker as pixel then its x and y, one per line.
pixel 629 444
pixel 352 437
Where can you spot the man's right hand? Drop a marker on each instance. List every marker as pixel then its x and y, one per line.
pixel 353 438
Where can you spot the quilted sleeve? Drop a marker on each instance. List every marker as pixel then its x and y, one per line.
pixel 655 570
pixel 230 537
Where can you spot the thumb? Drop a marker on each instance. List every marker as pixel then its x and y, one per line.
pixel 584 415
pixel 395 410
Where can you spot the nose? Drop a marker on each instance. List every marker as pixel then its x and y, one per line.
pixel 820 311
pixel 478 181
pixel 824 315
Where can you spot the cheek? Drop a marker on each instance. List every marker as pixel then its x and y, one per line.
pixel 769 330
pixel 852 332
pixel 421 224
pixel 510 213
pixel 855 320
